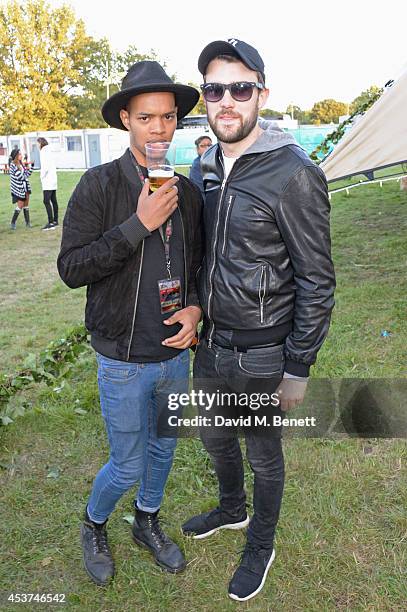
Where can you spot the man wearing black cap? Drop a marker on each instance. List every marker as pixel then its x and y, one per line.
pixel 266 288
pixel 138 255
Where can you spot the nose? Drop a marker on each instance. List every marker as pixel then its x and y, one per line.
pixel 157 126
pixel 227 100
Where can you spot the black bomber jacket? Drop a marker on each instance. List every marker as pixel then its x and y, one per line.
pixel 267 253
pixel 103 244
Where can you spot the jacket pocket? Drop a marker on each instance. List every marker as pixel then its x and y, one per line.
pixel 229 205
pixel 120 375
pixel 262 291
pixel 200 279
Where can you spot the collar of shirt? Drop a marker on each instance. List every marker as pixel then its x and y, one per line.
pixel 228 163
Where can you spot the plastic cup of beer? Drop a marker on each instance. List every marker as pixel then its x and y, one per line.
pixel 160 158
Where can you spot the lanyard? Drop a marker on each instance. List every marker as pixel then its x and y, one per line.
pixel 166 237
pixel 139 172
pixel 165 234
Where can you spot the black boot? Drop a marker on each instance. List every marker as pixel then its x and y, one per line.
pixel 27 217
pixel 14 219
pixel 97 557
pixel 147 532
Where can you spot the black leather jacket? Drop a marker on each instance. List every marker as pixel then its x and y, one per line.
pixel 103 245
pixel 268 259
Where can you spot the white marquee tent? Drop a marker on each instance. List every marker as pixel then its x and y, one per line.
pixel 377 140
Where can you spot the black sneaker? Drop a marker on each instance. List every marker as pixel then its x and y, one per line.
pixel 147 533
pixel 250 576
pixel 97 557
pixel 203 525
pixel 48 226
pixel 55 223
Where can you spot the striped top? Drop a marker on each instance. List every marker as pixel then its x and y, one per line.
pixel 19 183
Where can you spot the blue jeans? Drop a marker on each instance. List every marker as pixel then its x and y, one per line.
pixel 132 396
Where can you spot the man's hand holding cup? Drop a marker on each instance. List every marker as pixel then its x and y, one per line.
pixel 154 209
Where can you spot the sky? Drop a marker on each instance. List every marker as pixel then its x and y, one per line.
pixel 312 50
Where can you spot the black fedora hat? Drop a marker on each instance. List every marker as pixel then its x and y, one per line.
pixel 144 77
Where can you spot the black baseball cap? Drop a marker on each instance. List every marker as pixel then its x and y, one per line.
pixel 246 53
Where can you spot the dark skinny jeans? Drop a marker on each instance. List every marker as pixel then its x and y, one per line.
pixel 258 370
pixel 51 204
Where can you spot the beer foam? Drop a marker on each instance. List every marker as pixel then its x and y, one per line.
pixel 161 173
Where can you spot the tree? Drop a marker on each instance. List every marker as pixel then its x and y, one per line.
pixel 100 65
pixel 293 111
pixel 269 113
pixel 302 116
pixel 367 96
pixel 328 111
pixel 89 96
pixel 42 51
pixel 53 75
pixel 305 117
pixel 200 108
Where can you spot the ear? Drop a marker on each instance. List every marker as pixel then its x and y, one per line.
pixel 124 116
pixel 263 97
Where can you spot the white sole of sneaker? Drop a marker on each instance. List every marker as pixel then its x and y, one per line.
pixel 236 598
pixel 240 525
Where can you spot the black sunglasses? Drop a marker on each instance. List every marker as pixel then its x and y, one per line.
pixel 241 91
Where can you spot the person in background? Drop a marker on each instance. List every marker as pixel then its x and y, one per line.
pixel 202 144
pixel 10 158
pixel 49 182
pixel 20 187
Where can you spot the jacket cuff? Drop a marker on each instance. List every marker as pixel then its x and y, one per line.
pixel 134 230
pixel 296 369
pixel 192 300
pixel 292 377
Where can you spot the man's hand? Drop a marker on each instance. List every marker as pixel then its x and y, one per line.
pixel 189 319
pixel 153 210
pixel 291 392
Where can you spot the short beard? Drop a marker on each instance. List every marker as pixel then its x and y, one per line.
pixel 245 128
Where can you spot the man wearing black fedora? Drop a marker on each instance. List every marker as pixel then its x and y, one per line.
pixel 132 248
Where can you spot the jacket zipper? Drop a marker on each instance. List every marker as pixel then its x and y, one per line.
pixel 139 278
pixel 136 300
pixel 185 260
pixel 262 292
pixel 230 200
pixel 210 298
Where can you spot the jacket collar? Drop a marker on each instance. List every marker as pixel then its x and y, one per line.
pixel 129 169
pixel 211 166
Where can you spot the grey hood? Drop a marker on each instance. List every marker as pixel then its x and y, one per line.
pixel 271 138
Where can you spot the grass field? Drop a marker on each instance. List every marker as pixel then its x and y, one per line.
pixel 342 534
